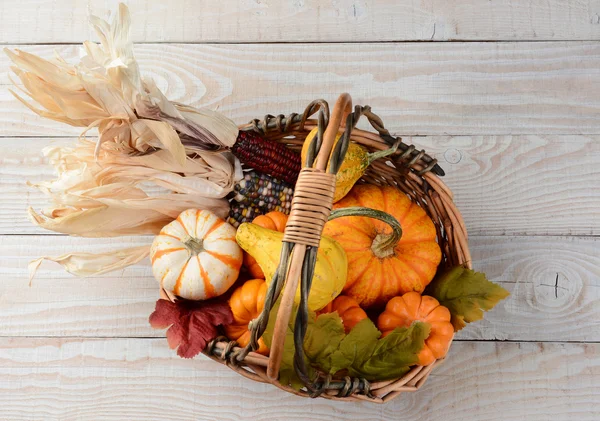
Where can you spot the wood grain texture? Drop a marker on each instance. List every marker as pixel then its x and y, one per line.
pixel 516 185
pixel 516 125
pixel 308 20
pixel 59 304
pixel 418 89
pixel 524 185
pixel 141 379
pixel 118 304
pixel 554 284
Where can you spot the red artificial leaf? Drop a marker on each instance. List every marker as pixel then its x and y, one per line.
pixel 165 314
pixel 192 324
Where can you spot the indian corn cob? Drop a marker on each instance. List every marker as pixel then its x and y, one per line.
pixel 240 213
pixel 257 194
pixel 264 191
pixel 267 157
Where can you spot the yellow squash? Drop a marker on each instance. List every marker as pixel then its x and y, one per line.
pixel 356 162
pixel 331 269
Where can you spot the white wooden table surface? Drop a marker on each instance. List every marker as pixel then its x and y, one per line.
pixel 505 93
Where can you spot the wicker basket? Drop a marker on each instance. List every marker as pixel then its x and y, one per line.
pixel 410 170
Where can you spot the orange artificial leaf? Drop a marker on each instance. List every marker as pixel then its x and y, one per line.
pixel 192 324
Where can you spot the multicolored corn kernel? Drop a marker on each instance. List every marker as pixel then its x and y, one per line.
pixel 265 192
pixel 240 213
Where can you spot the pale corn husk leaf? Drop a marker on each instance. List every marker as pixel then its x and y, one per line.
pixel 88 264
pixel 152 159
pixel 101 221
pixel 202 128
pixel 165 134
pixel 124 195
pixel 56 73
pixel 106 90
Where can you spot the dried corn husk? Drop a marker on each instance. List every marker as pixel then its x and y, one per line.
pixel 88 264
pixel 152 158
pixel 119 194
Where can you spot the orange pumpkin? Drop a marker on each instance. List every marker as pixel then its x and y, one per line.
pixel 404 310
pixel 246 304
pixel 348 309
pixel 196 256
pixel 379 269
pixel 274 221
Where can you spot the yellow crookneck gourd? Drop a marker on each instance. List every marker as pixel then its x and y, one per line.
pixel 331 269
pixel 356 162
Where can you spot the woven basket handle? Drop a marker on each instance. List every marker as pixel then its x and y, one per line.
pixel 341 110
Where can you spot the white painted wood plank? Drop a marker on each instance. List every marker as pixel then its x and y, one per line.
pixel 141 379
pixel 554 284
pixel 516 185
pixel 425 89
pixel 59 304
pixel 118 304
pixel 33 21
pixel 524 185
pixel 22 161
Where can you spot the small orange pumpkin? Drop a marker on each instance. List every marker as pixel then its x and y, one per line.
pixel 274 221
pixel 403 310
pixel 378 268
pixel 348 309
pixel 247 302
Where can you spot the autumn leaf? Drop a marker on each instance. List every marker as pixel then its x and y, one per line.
pixel 466 293
pixel 191 324
pixel 393 355
pixel 323 337
pixel 268 333
pixel 355 348
pixel 287 374
pixel 360 352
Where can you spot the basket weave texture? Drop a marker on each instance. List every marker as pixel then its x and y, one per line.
pixel 410 170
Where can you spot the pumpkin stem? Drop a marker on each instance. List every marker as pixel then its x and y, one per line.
pixel 194 245
pixel 383 244
pixel 381 154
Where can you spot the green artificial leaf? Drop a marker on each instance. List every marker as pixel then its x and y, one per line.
pixel 360 352
pixel 393 355
pixel 268 333
pixel 323 337
pixel 466 293
pixel 356 348
pixel 287 374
